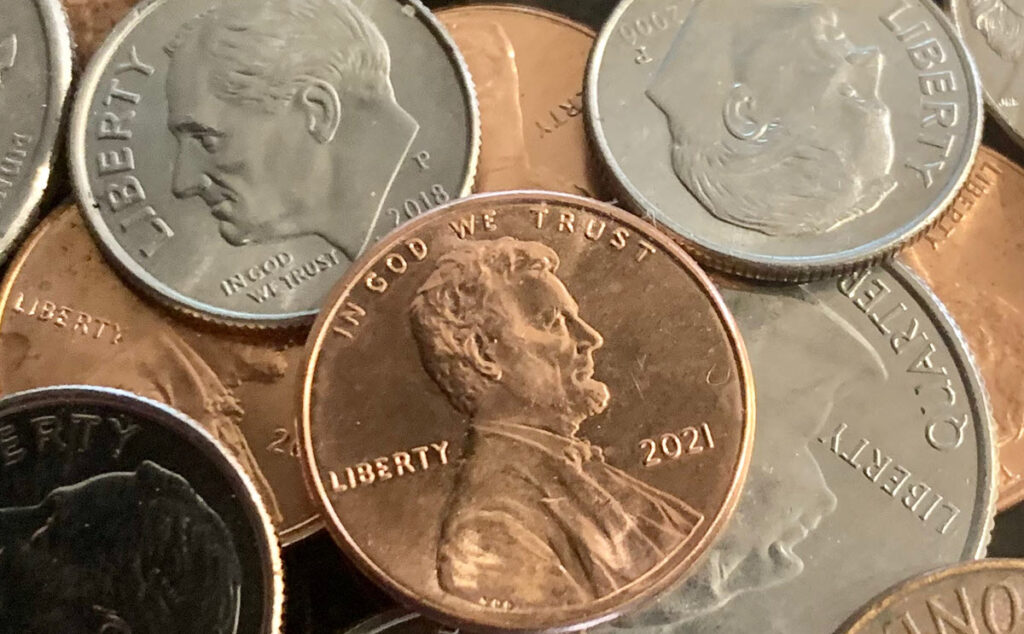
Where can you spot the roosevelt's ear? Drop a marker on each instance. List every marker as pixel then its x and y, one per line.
pixel 323 110
pixel 742 116
pixel 478 353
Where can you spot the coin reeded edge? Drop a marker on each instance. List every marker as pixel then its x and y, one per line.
pixel 359 269
pixel 795 269
pixel 117 255
pixel 273 606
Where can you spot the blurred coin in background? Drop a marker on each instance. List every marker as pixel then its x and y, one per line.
pixel 972 259
pixel 527 66
pixel 118 514
pixel 35 73
pixel 67 318
pixel 819 170
pixel 233 158
pixel 874 459
pixel 526 411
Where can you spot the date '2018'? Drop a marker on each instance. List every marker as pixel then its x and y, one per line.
pixel 675 446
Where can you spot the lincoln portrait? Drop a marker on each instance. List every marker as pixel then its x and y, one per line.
pixel 775 116
pixel 286 120
pixel 537 516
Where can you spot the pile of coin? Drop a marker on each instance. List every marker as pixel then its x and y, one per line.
pixel 331 316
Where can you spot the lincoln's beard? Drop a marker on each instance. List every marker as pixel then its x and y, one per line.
pixel 806 187
pixel 589 398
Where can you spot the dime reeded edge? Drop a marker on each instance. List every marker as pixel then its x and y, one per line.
pixel 59 58
pixel 785 268
pixel 119 257
pixel 990 103
pixel 356 272
pixel 273 606
pixel 967 367
pixel 864 617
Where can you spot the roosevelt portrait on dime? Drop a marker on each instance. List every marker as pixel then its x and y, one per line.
pixel 537 517
pixel 286 120
pixel 776 120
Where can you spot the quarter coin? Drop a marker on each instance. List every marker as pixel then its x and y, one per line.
pixel 528 67
pixel 785 140
pixel 981 596
pixel 526 412
pixel 970 259
pixel 874 459
pixel 233 157
pixel 66 318
pixel 118 514
pixel 35 72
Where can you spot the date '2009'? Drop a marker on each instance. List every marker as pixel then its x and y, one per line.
pixel 675 446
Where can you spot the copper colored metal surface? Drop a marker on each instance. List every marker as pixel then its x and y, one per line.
pixel 981 596
pixel 91 21
pixel 66 318
pixel 972 259
pixel 526 411
pixel 528 67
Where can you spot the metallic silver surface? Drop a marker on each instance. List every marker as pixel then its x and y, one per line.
pixel 35 72
pixel 234 158
pixel 120 514
pixel 780 139
pixel 874 458
pixel 994 33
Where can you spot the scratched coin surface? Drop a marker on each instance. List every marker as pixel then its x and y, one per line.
pixel 873 459
pixel 118 514
pixel 526 411
pixel 980 596
pixel 528 68
pixel 785 139
pixel 993 31
pixel 971 259
pixel 35 72
pixel 66 318
pixel 234 157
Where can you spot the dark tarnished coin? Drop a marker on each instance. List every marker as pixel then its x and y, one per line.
pixel 400 622
pixel 993 31
pixel 972 259
pixel 35 72
pixel 118 514
pixel 982 597
pixel 526 412
pixel 785 139
pixel 873 459
pixel 233 157
pixel 528 68
pixel 67 318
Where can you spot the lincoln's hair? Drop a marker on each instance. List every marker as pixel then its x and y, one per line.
pixel 141 550
pixel 455 310
pixel 264 51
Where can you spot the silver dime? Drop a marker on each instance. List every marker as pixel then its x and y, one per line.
pixel 35 72
pixel 784 139
pixel 234 156
pixel 994 33
pixel 874 458
pixel 118 514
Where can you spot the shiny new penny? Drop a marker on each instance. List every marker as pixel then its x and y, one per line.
pixel 972 259
pixel 526 411
pixel 528 68
pixel 66 318
pixel 119 514
pixel 981 596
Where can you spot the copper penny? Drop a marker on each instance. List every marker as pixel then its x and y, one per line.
pixel 980 597
pixel 972 259
pixel 528 66
pixel 526 411
pixel 66 318
pixel 91 21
